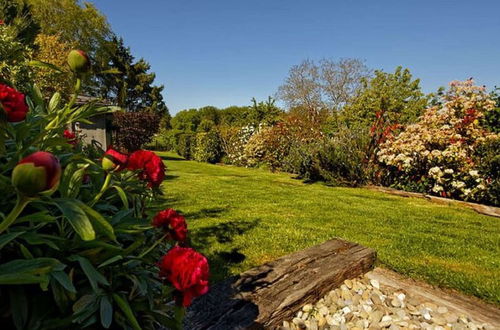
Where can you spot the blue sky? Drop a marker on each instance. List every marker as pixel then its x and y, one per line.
pixel 224 52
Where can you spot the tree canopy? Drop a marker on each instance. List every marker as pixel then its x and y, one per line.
pixel 397 95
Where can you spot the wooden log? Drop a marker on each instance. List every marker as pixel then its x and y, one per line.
pixel 263 297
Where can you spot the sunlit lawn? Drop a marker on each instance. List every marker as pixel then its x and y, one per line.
pixel 240 218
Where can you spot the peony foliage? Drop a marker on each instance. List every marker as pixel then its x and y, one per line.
pixel 79 247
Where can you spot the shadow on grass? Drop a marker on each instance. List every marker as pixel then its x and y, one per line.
pixel 223 259
pixel 171 177
pixel 171 157
pixel 212 212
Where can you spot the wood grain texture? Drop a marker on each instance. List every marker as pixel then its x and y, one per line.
pixel 263 297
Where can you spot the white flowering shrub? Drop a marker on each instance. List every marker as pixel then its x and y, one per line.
pixel 440 153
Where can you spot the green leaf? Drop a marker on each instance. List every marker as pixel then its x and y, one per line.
pixel 120 215
pixel 125 307
pixel 106 312
pixel 64 280
pixel 71 180
pixel 110 261
pixel 54 101
pixel 60 295
pixel 25 252
pixel 6 238
pixel 18 306
pixel 82 303
pixel 92 274
pixel 39 239
pixel 77 218
pixel 29 271
pixel 123 196
pixel 98 221
pixel 45 65
pixel 41 216
pixel 37 96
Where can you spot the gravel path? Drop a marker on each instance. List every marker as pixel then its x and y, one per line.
pixel 363 303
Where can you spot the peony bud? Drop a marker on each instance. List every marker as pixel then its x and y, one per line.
pixel 114 160
pixel 37 173
pixel 78 61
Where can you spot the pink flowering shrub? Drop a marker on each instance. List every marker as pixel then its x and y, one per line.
pixel 440 153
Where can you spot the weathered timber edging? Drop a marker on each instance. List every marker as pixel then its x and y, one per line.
pixel 263 297
pixel 479 208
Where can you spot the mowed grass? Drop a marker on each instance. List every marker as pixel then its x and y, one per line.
pixel 240 218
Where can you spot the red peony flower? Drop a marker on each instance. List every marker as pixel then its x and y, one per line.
pixel 70 136
pixel 151 166
pixel 114 160
pixel 172 222
pixel 39 172
pixel 13 103
pixel 187 270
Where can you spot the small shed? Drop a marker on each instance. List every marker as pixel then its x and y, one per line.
pixel 98 134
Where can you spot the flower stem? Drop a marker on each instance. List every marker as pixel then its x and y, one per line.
pixel 21 203
pixel 104 187
pixel 179 312
pixel 78 85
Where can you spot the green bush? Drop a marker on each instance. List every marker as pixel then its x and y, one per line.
pixel 165 140
pixel 342 159
pixel 185 145
pixel 488 159
pixel 207 147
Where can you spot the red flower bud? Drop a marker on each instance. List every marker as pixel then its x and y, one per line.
pixel 39 172
pixel 70 136
pixel 172 222
pixel 150 165
pixel 114 160
pixel 188 272
pixel 79 61
pixel 13 103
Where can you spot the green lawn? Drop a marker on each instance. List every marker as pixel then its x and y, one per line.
pixel 240 218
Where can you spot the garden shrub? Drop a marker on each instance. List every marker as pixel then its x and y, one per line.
pixel 207 147
pixel 77 247
pixel 14 58
pixel 184 145
pixel 233 142
pixel 342 157
pixel 132 130
pixel 165 140
pixel 440 154
pixel 284 145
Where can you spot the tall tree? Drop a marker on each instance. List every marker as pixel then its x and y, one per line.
pixel 397 95
pixel 73 21
pixel 329 85
pixel 302 88
pixel 51 49
pixel 131 86
pixel 342 80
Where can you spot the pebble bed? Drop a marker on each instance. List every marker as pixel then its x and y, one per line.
pixel 362 303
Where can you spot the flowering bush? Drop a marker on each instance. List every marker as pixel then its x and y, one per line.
pixel 76 247
pixel 438 154
pixel 284 146
pixel 235 141
pixel 207 148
